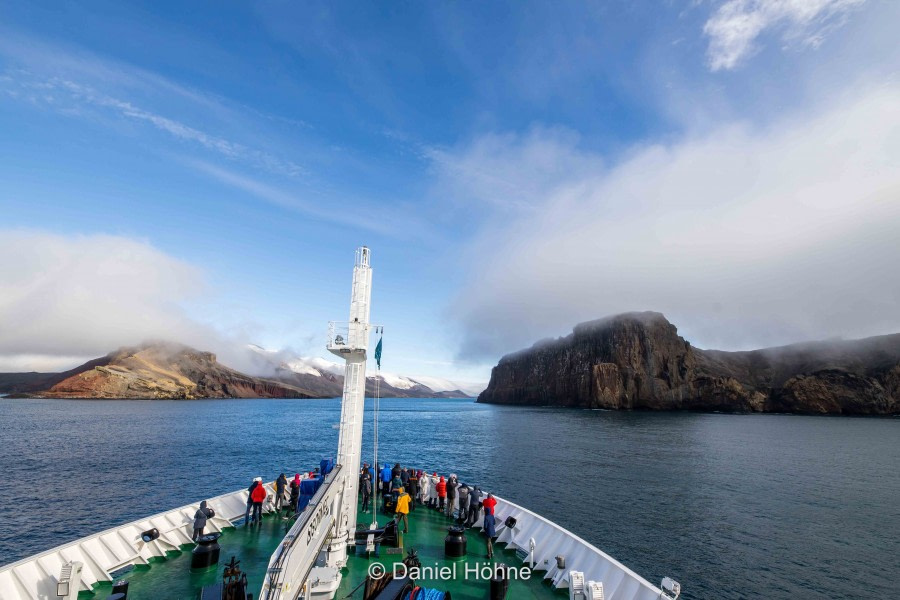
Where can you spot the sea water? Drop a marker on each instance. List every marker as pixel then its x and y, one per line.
pixel 732 506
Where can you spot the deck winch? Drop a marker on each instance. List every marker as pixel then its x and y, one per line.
pixel 455 542
pixel 206 553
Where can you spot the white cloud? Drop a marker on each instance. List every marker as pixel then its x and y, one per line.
pixel 510 171
pixel 70 298
pixel 743 237
pixel 736 25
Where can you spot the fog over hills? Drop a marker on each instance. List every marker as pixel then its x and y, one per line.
pixel 638 361
pixel 167 370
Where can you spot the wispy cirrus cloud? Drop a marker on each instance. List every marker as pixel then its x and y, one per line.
pixel 75 98
pixel 737 24
pixel 510 171
pixel 385 220
pixel 82 85
pixel 235 164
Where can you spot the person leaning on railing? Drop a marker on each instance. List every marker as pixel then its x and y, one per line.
pixel 474 506
pixel 257 497
pixel 413 486
pixel 490 524
pixel 463 493
pixel 280 486
pixel 203 513
pixel 452 484
pixel 295 492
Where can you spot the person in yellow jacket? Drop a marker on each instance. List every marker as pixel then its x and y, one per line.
pixel 402 509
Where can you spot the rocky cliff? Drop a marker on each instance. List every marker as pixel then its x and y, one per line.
pixel 638 361
pixel 163 371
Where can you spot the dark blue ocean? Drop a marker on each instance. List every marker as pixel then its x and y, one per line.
pixel 732 506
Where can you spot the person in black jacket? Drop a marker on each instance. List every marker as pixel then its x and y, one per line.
pixel 413 488
pixel 404 477
pixel 366 489
pixel 463 492
pixel 452 484
pixel 203 513
pixel 280 488
pixel 249 501
pixel 474 506
pixel 295 492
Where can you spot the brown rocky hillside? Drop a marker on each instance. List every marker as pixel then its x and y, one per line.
pixel 163 371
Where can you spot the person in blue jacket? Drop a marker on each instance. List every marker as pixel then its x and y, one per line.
pixel 386 477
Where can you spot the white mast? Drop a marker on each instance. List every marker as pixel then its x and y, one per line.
pixel 350 341
pixel 329 521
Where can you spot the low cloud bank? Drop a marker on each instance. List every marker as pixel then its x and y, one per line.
pixel 743 237
pixel 66 299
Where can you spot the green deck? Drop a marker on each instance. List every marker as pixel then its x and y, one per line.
pixel 172 578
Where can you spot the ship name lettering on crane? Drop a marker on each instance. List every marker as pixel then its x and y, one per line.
pixel 321 512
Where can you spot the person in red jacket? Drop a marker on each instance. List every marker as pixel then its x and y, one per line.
pixel 489 504
pixel 490 523
pixel 257 497
pixel 441 489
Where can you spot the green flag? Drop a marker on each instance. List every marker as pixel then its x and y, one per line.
pixel 378 353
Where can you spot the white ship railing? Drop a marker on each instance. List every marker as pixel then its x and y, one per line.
pixel 347 337
pixel 551 540
pixel 107 552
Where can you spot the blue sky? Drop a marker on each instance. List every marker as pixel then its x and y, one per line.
pixel 497 157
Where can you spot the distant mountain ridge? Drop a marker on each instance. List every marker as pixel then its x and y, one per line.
pixel 153 371
pixel 638 361
pixel 320 374
pixel 164 370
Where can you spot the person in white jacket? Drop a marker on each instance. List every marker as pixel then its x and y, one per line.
pixel 433 497
pixel 424 488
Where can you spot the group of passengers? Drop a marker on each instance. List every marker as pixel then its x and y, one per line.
pixel 401 489
pixel 256 496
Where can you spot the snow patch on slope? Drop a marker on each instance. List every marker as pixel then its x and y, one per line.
pixel 438 384
pixel 302 367
pixel 317 367
pixel 398 381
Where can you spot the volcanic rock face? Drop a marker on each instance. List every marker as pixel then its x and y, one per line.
pixel 638 361
pixel 165 371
